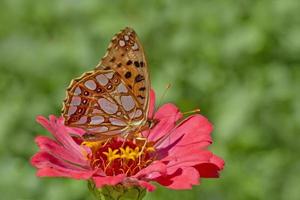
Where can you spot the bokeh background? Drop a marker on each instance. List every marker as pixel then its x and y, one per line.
pixel 238 61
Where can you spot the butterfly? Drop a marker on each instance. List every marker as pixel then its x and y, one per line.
pixel 112 99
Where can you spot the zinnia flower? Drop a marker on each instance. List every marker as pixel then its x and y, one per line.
pixel 173 153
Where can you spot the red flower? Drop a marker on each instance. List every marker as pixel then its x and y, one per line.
pixel 175 154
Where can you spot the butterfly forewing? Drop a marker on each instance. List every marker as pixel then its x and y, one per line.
pixel 126 56
pixel 112 99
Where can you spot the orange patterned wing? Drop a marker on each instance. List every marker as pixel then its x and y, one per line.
pixel 113 99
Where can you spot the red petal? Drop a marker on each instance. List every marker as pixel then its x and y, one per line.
pixel 108 180
pixel 48 145
pixel 44 159
pixel 147 185
pixel 153 170
pixel 167 115
pixel 183 178
pixel 187 158
pixel 195 130
pixel 71 130
pixel 51 172
pixel 59 131
pixel 46 162
pixel 211 169
pixel 217 161
pixel 208 170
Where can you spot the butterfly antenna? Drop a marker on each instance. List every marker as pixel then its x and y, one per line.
pixel 124 140
pixel 168 86
pixel 105 143
pixel 197 110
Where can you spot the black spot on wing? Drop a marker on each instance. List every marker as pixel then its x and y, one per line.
pixel 140 96
pixel 127 74
pixel 142 64
pixel 142 89
pixel 113 59
pixel 129 62
pixel 139 78
pixel 136 63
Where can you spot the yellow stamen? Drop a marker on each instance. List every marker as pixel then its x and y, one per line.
pixel 92 145
pixel 150 149
pixel 112 154
pixel 137 152
pixel 128 153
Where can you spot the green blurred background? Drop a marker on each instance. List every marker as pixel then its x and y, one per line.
pixel 236 60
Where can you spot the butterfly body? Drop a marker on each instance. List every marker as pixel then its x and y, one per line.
pixel 113 99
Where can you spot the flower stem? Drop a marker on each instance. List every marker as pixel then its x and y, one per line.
pixel 115 192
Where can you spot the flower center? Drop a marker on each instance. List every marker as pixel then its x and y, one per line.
pixel 120 157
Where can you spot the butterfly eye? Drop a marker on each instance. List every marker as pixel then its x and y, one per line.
pixel 152 122
pixel 86 93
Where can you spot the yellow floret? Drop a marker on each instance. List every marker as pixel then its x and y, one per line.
pixel 112 154
pixel 128 153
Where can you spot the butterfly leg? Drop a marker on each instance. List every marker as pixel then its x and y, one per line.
pixel 145 140
pixel 125 139
pixel 105 143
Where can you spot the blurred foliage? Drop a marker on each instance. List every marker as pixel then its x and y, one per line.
pixel 236 60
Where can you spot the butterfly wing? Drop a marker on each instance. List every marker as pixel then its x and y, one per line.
pixel 126 56
pixel 114 98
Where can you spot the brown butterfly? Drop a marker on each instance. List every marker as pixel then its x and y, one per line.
pixel 113 99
